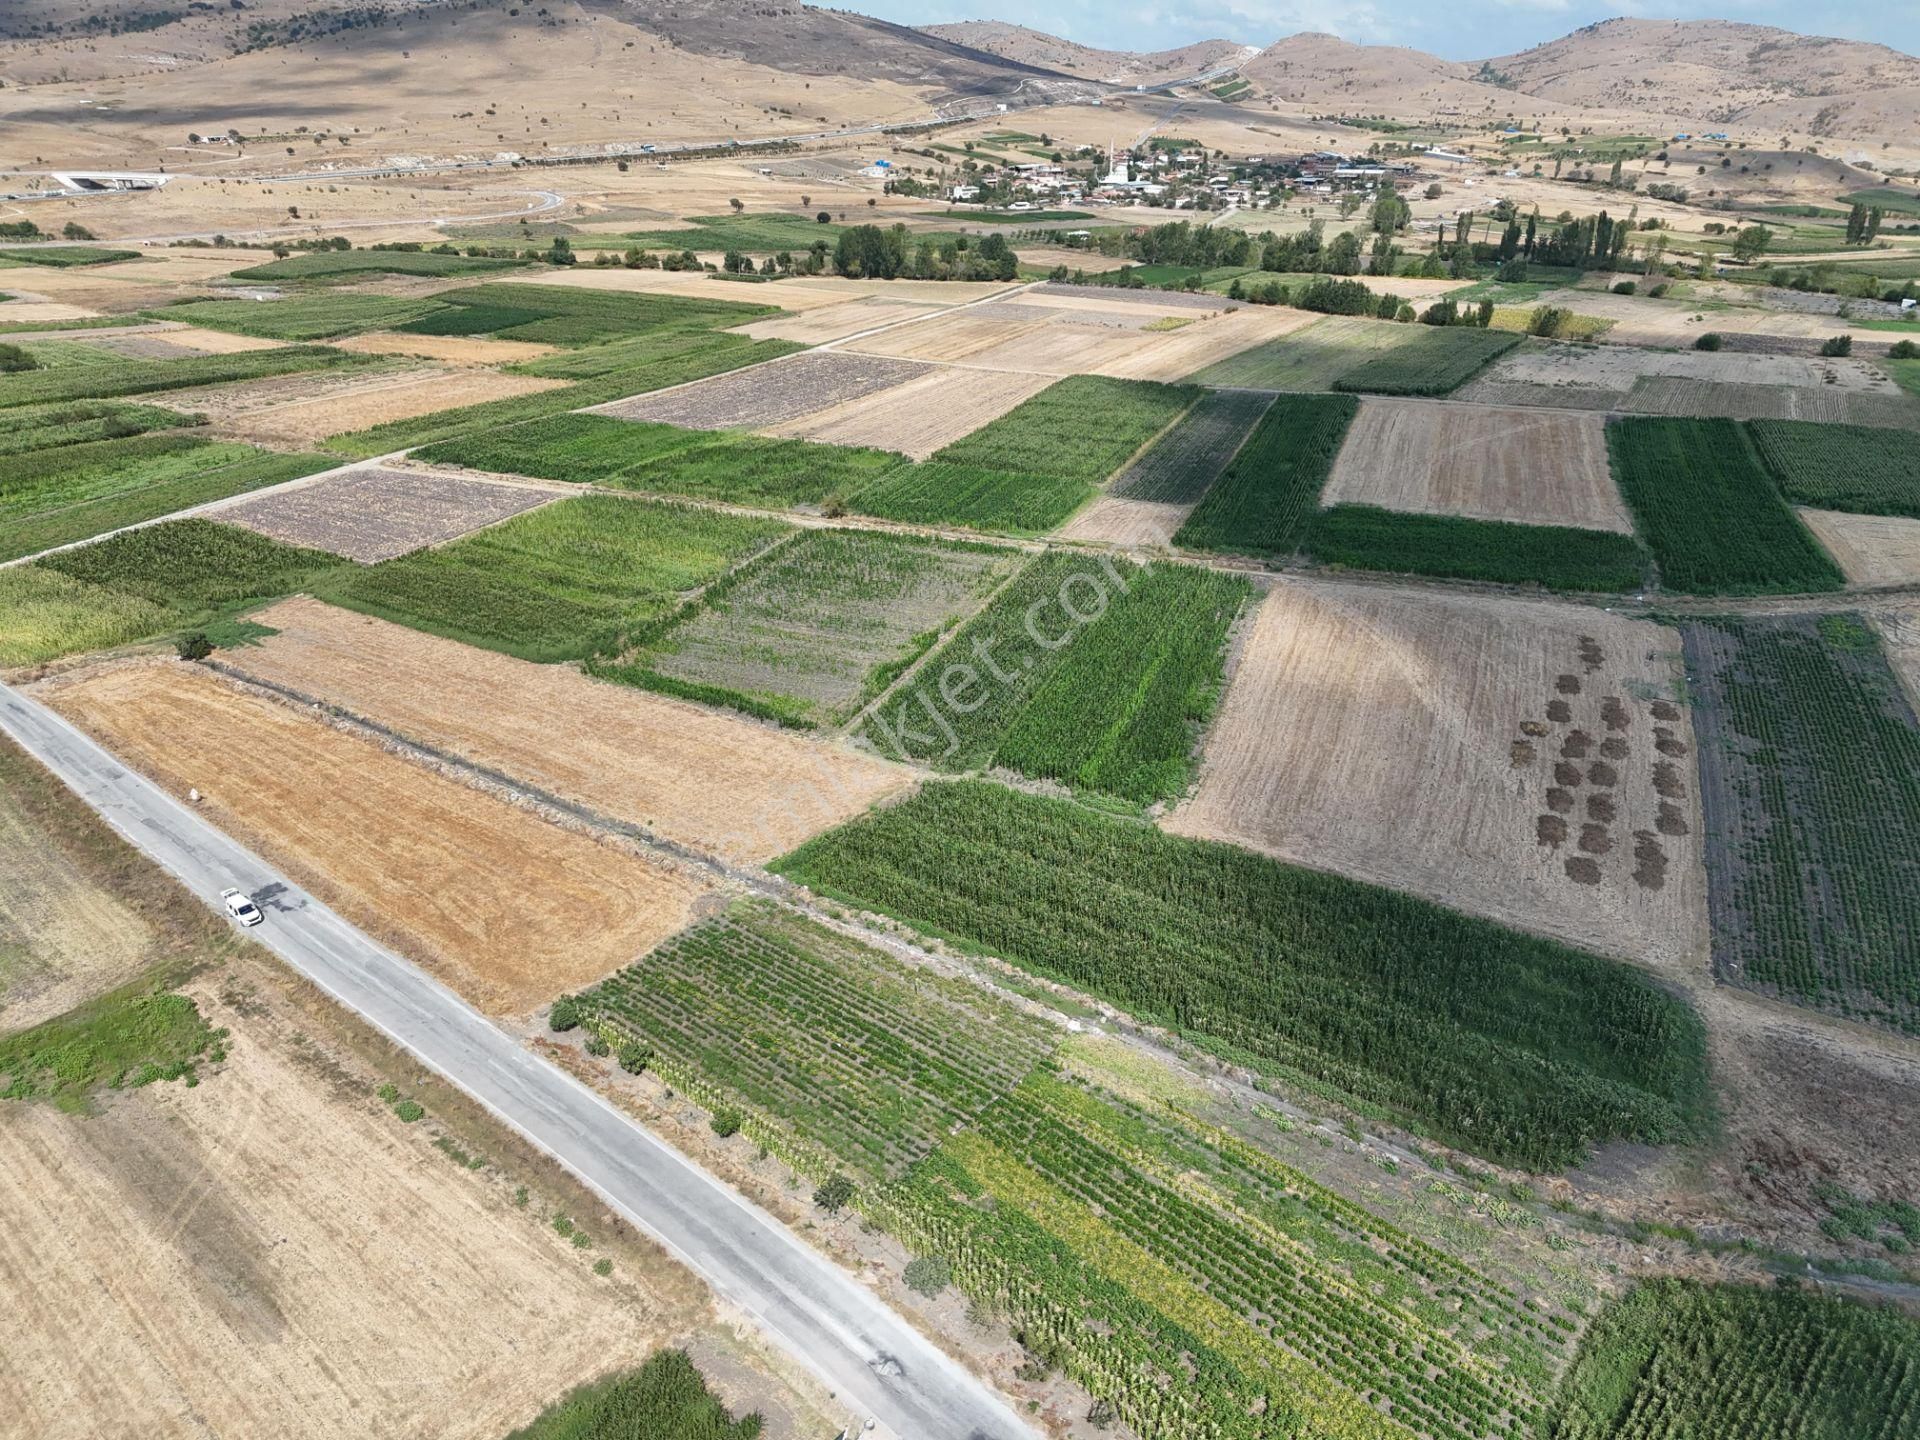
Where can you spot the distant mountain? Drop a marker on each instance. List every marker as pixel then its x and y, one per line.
pixel 1115 67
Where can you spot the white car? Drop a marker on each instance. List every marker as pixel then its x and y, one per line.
pixel 241 908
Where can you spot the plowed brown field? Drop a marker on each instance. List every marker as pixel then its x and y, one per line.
pixel 504 907
pixel 1520 760
pixel 723 785
pixel 1531 467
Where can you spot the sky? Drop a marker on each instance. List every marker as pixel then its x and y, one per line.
pixel 1441 27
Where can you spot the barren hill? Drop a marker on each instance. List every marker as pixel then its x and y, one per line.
pixel 1326 73
pixel 1118 67
pixel 1723 71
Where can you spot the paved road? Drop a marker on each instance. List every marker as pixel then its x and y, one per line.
pixel 875 1362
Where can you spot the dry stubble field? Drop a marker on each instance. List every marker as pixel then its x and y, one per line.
pixel 502 906
pixel 273 1253
pixel 772 394
pixel 834 322
pixel 727 786
pixel 1531 467
pixel 375 513
pixel 1871 550
pixel 450 349
pixel 921 416
pixel 1515 759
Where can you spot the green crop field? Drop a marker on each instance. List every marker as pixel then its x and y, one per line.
pixel 1894 202
pixel 342 266
pixel 144 377
pixel 564 315
pixel 760 234
pixel 665 1399
pixel 1810 754
pixel 1436 361
pixel 66 256
pixel 1013 217
pixel 1677 1360
pixel 558 583
pixel 1088 671
pixel 1181 465
pixel 192 566
pixel 1559 557
pixel 44 614
pixel 1709 512
pixel 1309 359
pixel 303 317
pixel 1267 498
pixel 1123 1242
pixel 1027 471
pixel 80 422
pixel 1842 467
pixel 1514 1046
pixel 814 629
pixel 648 362
pixel 1906 374
pixel 55 497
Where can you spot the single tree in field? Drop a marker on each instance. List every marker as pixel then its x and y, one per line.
pixel 737 206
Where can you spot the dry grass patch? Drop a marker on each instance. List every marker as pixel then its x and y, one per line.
pixel 1112 520
pixel 505 908
pixel 1531 467
pixel 922 416
pixel 450 349
pixel 1494 755
pixel 1869 549
pixel 727 786
pixel 374 514
pixel 961 336
pixel 377 401
pixel 834 322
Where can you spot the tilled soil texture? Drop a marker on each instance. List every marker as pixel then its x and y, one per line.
pixel 375 514
pixel 504 907
pixel 1426 742
pixel 286 409
pixel 1871 550
pixel 767 395
pixel 1435 458
pixel 272 1253
pixel 722 785
pixel 922 416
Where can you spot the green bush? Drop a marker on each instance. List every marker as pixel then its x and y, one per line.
pixel 1709 341
pixel 928 1275
pixel 665 1399
pixel 409 1111
pixel 835 1194
pixel 194 645
pixel 1904 350
pixel 13 360
pixel 1837 346
pixel 565 1014
pixel 597 1045
pixel 725 1121
pixel 634 1057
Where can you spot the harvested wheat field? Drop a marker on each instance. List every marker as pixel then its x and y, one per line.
pixel 1515 759
pixel 1643 320
pixel 448 349
pixel 1434 458
pixel 770 394
pixel 1604 376
pixel 376 513
pixel 833 322
pixel 1830 404
pixel 378 400
pixel 723 785
pixel 1869 549
pixel 923 415
pixel 31 310
pixel 272 1253
pixel 1899 628
pixel 1115 520
pixel 957 337
pixel 504 907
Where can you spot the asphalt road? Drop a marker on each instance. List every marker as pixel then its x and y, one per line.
pixel 874 1361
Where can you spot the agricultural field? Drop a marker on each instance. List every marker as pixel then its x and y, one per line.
pixel 337 267
pixel 1517 1047
pixel 668 460
pixel 1219 1243
pixel 1130 524
pixel 44 614
pixel 1312 358
pixel 667 1397
pixel 59 496
pixel 836 322
pixel 474 350
pixel 1871 550
pixel 302 317
pixel 373 514
pixel 758 234
pixel 816 628
pixel 694 777
pixel 1842 467
pixel 81 422
pixel 1676 1359
pixel 503 906
pixel 1182 464
pixel 1521 466
pixel 1810 768
pixel 761 398
pixel 120 378
pixel 1555 557
pixel 922 416
pixel 561 582
pixel 1266 500
pixel 570 315
pixel 65 256
pixel 1097 674
pixel 1708 510
pixel 1436 361
pixel 1515 759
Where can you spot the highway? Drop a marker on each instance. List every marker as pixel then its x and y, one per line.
pixel 876 1364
